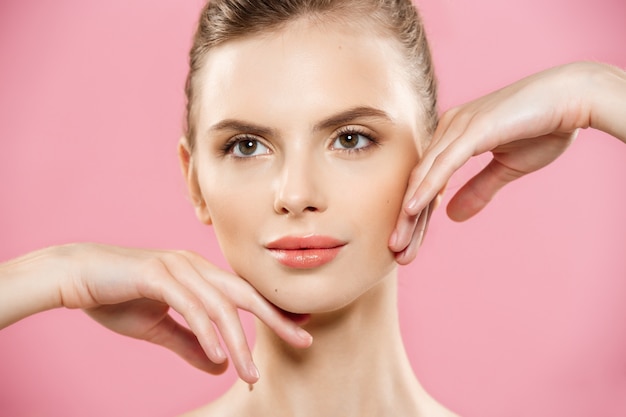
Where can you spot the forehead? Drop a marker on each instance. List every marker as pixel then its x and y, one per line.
pixel 305 70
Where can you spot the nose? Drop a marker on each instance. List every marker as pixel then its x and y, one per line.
pixel 299 188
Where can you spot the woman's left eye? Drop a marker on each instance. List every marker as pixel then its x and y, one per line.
pixel 351 141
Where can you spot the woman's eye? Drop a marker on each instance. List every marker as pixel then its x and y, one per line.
pixel 351 140
pixel 245 148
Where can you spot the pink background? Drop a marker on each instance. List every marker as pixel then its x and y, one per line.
pixel 518 312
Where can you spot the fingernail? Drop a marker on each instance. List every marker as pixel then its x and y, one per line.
pixel 304 335
pixel 219 353
pixel 253 371
pixel 412 204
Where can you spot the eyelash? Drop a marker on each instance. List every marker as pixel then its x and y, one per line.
pixel 354 130
pixel 228 147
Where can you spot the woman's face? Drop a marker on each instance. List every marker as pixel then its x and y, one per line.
pixel 306 138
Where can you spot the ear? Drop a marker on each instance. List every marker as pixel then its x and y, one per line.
pixel 189 173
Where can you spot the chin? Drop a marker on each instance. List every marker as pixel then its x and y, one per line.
pixel 319 290
pixel 306 304
pixel 305 307
pixel 316 297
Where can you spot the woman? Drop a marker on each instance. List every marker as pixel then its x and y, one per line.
pixel 304 247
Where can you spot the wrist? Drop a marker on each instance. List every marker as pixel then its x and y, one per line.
pixel 30 284
pixel 607 100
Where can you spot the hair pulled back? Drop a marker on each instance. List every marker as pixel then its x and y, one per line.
pixel 224 20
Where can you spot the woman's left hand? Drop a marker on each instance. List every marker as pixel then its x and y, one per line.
pixel 525 126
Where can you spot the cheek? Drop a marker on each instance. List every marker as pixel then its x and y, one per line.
pixel 377 204
pixel 391 185
pixel 231 195
pixel 237 210
pixel 387 205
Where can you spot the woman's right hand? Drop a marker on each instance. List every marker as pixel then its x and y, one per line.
pixel 130 292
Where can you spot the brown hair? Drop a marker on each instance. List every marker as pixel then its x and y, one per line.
pixel 224 20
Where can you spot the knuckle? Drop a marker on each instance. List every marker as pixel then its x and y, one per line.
pixel 414 175
pixel 172 258
pixel 236 289
pixel 250 302
pixel 504 174
pixel 222 310
pixel 483 124
pixel 154 267
pixel 152 278
pixel 448 116
pixel 193 307
pixel 445 160
pixel 186 254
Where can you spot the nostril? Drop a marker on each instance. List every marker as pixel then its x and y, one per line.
pixel 286 210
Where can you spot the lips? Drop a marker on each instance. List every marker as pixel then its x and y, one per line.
pixel 305 252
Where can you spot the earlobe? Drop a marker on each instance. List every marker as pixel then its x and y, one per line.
pixel 189 173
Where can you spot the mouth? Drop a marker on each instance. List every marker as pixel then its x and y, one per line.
pixel 305 252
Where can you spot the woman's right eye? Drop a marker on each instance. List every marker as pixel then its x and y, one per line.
pixel 247 148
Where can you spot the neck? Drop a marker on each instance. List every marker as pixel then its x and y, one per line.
pixel 357 365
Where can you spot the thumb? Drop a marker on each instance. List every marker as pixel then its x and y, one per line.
pixel 479 190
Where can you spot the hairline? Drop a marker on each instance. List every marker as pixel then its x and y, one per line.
pixel 333 16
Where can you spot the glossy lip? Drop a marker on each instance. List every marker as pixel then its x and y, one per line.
pixel 305 252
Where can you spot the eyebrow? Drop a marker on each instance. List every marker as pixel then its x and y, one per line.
pixel 333 121
pixel 351 115
pixel 241 126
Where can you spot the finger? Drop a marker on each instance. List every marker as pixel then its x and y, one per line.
pixel 405 227
pixel 412 205
pixel 407 219
pixel 444 165
pixel 221 311
pixel 182 341
pixel 480 190
pixel 408 255
pixel 158 283
pixel 446 150
pixel 227 320
pixel 247 298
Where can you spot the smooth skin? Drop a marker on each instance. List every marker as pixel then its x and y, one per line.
pixel 131 290
pixel 300 180
pixel 293 142
pixel 525 126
